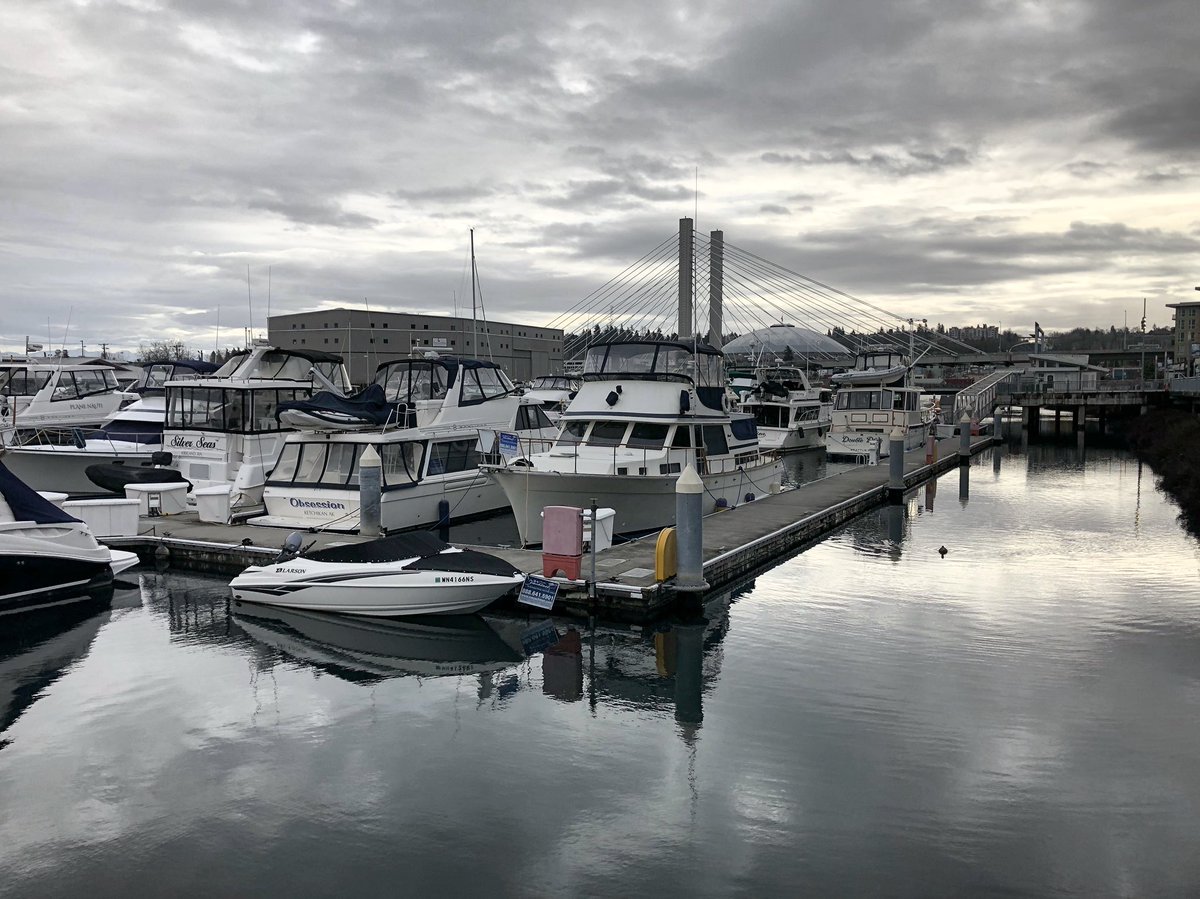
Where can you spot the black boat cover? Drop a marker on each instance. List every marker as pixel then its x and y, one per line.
pixel 115 476
pixel 369 405
pixel 27 504
pixel 469 560
pixel 396 548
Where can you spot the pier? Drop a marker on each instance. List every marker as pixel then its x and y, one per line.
pixel 738 542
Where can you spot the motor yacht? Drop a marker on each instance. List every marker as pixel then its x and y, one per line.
pixel 423 417
pixel 554 393
pixel 129 438
pixel 42 400
pixel 222 429
pixel 874 399
pixel 46 556
pixel 399 575
pixel 790 413
pixel 645 410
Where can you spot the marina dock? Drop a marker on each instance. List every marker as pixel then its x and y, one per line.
pixel 738 542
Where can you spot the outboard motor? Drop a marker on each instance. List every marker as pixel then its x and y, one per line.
pixel 291 547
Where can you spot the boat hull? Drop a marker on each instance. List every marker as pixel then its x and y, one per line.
pixel 32 581
pixel 64 468
pixel 642 503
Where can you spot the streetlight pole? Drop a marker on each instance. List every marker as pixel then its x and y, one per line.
pixel 1143 342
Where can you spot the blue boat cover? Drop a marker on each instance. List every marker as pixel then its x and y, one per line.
pixel 27 504
pixel 369 405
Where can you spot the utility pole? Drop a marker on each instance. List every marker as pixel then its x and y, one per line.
pixel 1143 341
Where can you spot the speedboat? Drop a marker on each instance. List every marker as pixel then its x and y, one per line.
pixel 645 411
pixel 425 419
pixel 790 413
pixel 874 399
pixel 46 556
pixel 122 451
pixel 405 574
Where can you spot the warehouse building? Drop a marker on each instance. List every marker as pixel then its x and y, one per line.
pixel 367 338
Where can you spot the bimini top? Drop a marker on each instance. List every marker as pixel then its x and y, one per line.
pixel 26 503
pixel 268 363
pixel 659 360
pixel 410 380
pixel 156 374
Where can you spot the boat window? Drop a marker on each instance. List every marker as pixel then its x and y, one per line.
pixel 198 408
pixel 264 404
pixel 235 411
pixel 807 413
pixel 709 367
pixel 285 468
pixel 341 466
pixel 471 391
pixel 673 360
pixel 72 385
pixel 491 382
pixel 858 399
pixel 278 365
pixel 229 366
pixel 334 372
pixel 607 433
pixel 682 438
pixel 158 375
pixel 648 436
pixel 456 455
pixel 572 433
pixel 22 382
pixel 634 358
pixel 401 462
pixel 715 443
pixel 593 362
pixel 311 465
pixel 132 431
pixel 538 420
pixel 743 428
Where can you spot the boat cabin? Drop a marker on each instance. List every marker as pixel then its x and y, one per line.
pixel 691 362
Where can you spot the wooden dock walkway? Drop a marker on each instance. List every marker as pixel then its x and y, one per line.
pixel 737 542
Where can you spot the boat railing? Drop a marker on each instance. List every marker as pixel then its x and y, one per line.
pixel 79 437
pixel 624 458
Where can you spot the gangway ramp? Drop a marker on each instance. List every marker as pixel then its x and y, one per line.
pixel 979 399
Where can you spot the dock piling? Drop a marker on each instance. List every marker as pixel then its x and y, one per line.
pixel 896 465
pixel 370 489
pixel 964 438
pixel 689 532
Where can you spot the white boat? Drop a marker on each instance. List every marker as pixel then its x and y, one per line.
pixel 222 430
pixel 873 400
pixel 46 556
pixel 645 410
pixel 427 415
pixel 790 413
pixel 40 399
pixel 404 574
pixel 554 393
pixel 130 436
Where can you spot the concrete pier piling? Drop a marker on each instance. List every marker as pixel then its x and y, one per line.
pixel 370 490
pixel 689 532
pixel 896 466
pixel 964 438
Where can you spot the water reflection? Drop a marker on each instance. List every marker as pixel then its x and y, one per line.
pixel 36 650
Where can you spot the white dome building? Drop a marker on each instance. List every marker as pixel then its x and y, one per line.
pixel 777 339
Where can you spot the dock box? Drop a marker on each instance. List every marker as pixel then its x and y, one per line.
pixel 167 498
pixel 106 517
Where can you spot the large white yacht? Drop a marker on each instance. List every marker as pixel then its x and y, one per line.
pixel 41 396
pixel 874 399
pixel 790 413
pixel 554 393
pixel 129 437
pixel 222 429
pixel 424 418
pixel 645 410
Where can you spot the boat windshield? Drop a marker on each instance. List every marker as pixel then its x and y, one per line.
pixel 550 382
pixel 280 365
pixel 407 382
pixel 864 399
pixel 329 464
pixel 653 360
pixel 80 383
pixel 223 409
pixel 22 381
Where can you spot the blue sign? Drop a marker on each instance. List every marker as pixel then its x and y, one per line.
pixel 539 637
pixel 509 445
pixel 539 592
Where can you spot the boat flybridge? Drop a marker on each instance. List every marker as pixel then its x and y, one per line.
pixel 128 439
pixel 646 410
pixel 222 430
pixel 790 413
pixel 873 400
pixel 40 397
pixel 425 419
pixel 554 392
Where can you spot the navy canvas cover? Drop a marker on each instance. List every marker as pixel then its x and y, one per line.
pixel 27 504
pixel 369 405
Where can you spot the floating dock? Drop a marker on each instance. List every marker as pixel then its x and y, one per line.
pixel 738 542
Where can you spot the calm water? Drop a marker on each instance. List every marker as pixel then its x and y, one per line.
pixel 1019 718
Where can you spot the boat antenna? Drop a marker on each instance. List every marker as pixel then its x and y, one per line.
pixel 217 336
pixel 249 306
pixel 66 331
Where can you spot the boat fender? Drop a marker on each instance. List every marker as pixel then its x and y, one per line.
pixel 722 503
pixel 161 457
pixel 620 389
pixel 724 402
pixel 749 497
pixel 612 397
pixel 685 402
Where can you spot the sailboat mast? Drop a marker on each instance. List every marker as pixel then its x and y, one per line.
pixel 474 330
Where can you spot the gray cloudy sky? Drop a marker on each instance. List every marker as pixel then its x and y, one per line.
pixel 959 160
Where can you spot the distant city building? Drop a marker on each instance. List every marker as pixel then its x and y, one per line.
pixel 1185 342
pixel 976 334
pixel 367 338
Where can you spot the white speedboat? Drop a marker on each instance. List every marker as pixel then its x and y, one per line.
pixel 425 417
pixel 646 409
pixel 129 438
pixel 553 393
pixel 405 574
pixel 44 398
pixel 873 400
pixel 790 413
pixel 222 430
pixel 46 556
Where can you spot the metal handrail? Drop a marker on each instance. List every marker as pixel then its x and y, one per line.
pixel 664 455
